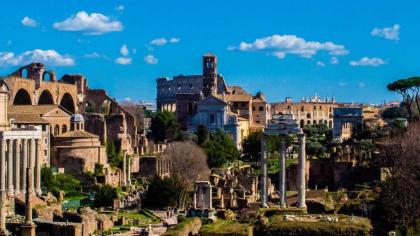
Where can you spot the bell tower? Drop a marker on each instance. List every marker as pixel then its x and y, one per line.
pixel 209 74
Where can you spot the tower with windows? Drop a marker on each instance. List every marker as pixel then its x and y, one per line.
pixel 209 74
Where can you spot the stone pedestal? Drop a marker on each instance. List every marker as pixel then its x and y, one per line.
pixel 27 229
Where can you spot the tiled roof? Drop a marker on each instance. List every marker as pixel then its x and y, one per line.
pixel 33 109
pixel 77 134
pixel 27 119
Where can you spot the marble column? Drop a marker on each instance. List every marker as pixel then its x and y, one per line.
pixel 28 227
pixel 37 169
pixel 17 166
pixel 129 171
pixel 124 170
pixel 32 161
pixel 3 230
pixel 264 171
pixel 24 164
pixel 282 173
pixel 302 173
pixel 10 168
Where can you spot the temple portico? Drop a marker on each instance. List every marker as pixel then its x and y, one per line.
pixel 283 126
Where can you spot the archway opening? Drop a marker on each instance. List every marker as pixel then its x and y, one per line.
pixel 22 98
pixel 45 98
pixel 24 73
pixel 67 103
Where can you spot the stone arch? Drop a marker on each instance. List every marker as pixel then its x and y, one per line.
pixel 50 75
pixel 22 97
pixel 67 102
pixel 45 98
pixel 23 72
pixel 302 123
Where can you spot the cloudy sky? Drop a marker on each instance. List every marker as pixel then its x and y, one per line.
pixel 346 49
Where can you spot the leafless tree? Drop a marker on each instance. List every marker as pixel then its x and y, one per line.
pixel 401 193
pixel 189 164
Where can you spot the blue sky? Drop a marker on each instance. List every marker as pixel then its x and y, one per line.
pixel 346 49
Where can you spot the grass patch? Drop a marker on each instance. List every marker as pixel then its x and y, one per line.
pixel 189 225
pixel 226 228
pixel 347 226
pixel 140 218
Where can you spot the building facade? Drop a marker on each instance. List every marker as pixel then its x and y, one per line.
pixel 308 111
pixel 347 120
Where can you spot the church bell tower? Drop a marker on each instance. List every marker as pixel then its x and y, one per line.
pixel 209 74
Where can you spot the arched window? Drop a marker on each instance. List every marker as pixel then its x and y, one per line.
pixel 63 129
pixel 302 123
pixel 56 130
pixel 308 115
pixel 308 122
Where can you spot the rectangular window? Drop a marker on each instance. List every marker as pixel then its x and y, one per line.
pixel 261 108
pixel 212 119
pixel 253 108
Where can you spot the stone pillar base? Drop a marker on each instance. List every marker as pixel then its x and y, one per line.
pixel 28 229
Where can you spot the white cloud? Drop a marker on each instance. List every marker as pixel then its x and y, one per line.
pixel 334 60
pixel 124 50
pixel 174 40
pixel 361 85
pixel 390 33
pixel 27 21
pixel 150 59
pixel 163 41
pixel 123 60
pixel 92 24
pixel 48 57
pixel 366 61
pixel 159 41
pixel 320 63
pixel 281 45
pixel 120 8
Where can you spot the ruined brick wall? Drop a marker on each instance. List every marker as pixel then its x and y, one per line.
pixel 95 124
pixel 186 107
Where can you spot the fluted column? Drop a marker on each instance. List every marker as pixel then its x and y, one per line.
pixel 282 174
pixel 3 230
pixel 302 172
pixel 31 161
pixel 28 204
pixel 264 171
pixel 10 168
pixel 24 164
pixel 37 169
pixel 17 166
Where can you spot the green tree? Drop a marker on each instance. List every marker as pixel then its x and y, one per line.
pixel 164 126
pixel 115 158
pixel 105 196
pixel 220 149
pixel 394 112
pixel 409 89
pixel 251 146
pixel 55 183
pixel 202 134
pixel 164 192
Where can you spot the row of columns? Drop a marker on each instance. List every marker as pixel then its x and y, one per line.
pixel 301 178
pixel 15 156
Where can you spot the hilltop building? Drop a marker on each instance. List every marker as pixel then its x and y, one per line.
pixel 207 100
pixel 308 111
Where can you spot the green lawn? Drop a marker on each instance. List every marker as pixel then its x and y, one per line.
pixel 143 217
pixel 225 228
